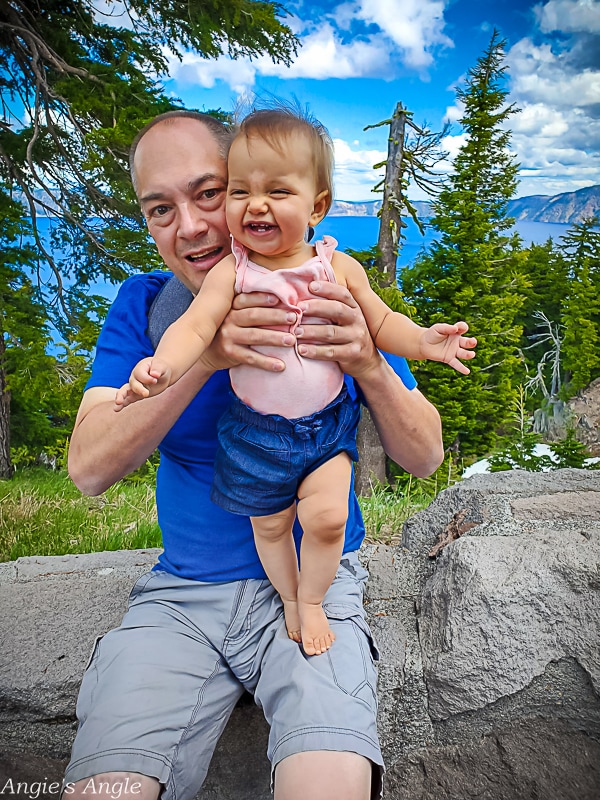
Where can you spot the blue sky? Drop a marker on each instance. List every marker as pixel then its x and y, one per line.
pixel 358 58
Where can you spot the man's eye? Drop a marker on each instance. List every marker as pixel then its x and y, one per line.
pixel 210 194
pixel 159 211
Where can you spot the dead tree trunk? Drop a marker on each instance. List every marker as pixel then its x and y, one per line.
pixel 6 466
pixel 372 458
pixel 391 207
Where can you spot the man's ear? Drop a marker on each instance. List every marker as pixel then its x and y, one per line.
pixel 319 208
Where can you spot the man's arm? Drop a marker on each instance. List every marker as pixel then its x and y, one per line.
pixel 106 445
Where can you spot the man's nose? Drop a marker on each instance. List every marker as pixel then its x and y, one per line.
pixel 192 222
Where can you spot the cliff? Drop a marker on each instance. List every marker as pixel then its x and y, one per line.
pixel 566 208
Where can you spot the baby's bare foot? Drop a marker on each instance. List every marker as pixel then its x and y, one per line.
pixel 292 619
pixel 317 636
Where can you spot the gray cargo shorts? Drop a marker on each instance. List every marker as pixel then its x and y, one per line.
pixel 159 689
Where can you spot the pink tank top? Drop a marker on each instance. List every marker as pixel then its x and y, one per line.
pixel 306 385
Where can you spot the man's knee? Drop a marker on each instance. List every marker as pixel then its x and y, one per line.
pixel 113 786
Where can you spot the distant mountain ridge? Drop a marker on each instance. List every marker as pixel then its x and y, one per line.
pixel 566 208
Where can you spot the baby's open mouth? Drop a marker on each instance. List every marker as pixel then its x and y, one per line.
pixel 260 227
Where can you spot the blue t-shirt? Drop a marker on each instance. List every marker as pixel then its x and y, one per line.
pixel 201 540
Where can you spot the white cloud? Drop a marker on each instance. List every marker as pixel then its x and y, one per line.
pixel 454 113
pixel 354 177
pixel 415 26
pixel 569 16
pixel 323 55
pixel 205 72
pixel 539 75
pixel 409 30
pixel 556 134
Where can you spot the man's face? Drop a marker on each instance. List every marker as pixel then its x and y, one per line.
pixel 181 181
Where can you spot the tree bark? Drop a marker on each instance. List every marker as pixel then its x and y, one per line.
pixel 6 466
pixel 389 227
pixel 372 463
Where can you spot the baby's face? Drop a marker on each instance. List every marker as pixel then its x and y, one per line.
pixel 272 196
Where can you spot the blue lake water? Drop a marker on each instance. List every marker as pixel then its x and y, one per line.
pixel 360 233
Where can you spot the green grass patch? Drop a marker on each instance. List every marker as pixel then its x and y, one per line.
pixel 388 508
pixel 43 513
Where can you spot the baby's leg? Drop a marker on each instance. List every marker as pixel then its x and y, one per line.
pixel 277 551
pixel 322 511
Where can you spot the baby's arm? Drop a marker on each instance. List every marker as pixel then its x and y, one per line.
pixel 396 333
pixel 184 342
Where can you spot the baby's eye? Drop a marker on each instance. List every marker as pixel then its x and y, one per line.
pixel 280 192
pixel 237 192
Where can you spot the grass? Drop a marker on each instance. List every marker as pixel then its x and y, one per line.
pixel 388 507
pixel 43 513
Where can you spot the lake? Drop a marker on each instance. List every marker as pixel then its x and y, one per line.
pixel 360 233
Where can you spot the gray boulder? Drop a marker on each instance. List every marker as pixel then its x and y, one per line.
pixel 487 617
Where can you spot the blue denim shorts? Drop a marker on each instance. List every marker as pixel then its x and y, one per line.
pixel 263 458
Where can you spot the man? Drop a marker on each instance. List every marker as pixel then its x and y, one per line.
pixel 206 625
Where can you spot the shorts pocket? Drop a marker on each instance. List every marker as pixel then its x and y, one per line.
pixel 354 654
pixel 246 451
pixel 94 652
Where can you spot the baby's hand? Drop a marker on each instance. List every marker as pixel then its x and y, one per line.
pixel 446 343
pixel 125 397
pixel 148 378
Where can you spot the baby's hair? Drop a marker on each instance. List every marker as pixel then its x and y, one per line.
pixel 276 125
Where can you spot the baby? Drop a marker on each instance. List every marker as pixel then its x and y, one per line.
pixel 288 439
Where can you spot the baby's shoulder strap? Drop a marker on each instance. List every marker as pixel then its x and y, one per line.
pixel 325 249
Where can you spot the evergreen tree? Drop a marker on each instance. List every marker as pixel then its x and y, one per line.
pixel 581 305
pixel 75 90
pixel 547 274
pixel 472 271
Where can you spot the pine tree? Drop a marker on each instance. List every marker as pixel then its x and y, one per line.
pixel 75 90
pixel 546 271
pixel 581 305
pixel 472 271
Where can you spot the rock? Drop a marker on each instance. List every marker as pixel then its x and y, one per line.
pixel 523 761
pixel 490 655
pixel 585 409
pixel 499 609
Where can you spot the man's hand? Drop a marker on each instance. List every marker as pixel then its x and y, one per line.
pixel 248 325
pixel 446 343
pixel 346 339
